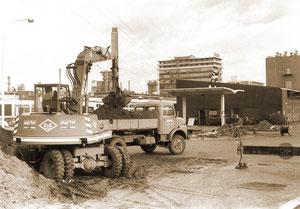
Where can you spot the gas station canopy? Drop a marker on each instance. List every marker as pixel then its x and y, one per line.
pixel 202 90
pixel 183 92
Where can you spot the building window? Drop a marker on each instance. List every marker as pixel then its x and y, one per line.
pixel 213 113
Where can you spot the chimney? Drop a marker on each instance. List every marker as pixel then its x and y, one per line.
pixel 59 76
pixel 114 42
pixel 8 83
pixel 128 85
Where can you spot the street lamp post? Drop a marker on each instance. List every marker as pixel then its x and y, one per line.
pixel 30 20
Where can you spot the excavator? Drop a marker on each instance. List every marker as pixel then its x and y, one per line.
pixel 60 135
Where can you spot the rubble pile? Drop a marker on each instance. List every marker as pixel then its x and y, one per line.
pixel 110 112
pixel 19 183
pixel 6 141
pixel 263 125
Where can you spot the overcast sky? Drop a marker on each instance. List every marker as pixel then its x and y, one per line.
pixel 244 33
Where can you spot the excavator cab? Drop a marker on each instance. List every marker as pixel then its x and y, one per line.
pixel 51 97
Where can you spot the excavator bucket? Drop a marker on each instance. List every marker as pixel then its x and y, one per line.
pixel 117 99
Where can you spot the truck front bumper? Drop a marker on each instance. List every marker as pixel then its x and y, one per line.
pixel 64 140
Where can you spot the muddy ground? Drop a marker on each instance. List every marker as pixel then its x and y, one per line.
pixel 204 176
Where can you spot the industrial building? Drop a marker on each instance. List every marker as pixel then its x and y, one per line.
pixel 152 87
pixel 283 70
pixel 188 68
pixel 256 102
pixel 104 86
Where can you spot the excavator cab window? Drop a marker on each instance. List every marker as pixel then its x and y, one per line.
pixel 47 97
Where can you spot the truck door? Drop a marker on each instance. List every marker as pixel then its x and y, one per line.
pixel 168 120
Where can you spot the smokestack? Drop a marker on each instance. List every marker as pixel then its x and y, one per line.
pixel 128 85
pixel 115 60
pixel 8 83
pixel 114 42
pixel 59 76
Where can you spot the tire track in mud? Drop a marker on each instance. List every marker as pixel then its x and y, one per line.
pixel 80 189
pixel 159 168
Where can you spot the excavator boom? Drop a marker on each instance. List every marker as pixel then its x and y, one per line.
pixel 78 72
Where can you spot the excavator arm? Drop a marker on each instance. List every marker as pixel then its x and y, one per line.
pixel 78 72
pixel 78 75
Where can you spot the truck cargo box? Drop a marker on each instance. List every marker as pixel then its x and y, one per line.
pixel 129 124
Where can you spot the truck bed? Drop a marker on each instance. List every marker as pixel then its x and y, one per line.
pixel 129 124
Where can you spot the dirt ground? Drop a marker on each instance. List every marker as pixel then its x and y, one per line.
pixel 204 176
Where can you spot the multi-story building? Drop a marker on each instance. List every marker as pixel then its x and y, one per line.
pixel 283 70
pixel 188 68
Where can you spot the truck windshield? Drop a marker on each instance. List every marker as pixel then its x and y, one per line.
pixel 168 111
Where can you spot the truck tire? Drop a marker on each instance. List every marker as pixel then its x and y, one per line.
pixel 117 142
pixel 126 161
pixel 53 165
pixel 116 163
pixel 69 164
pixel 148 148
pixel 177 144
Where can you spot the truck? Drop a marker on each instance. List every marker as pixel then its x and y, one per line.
pixel 60 135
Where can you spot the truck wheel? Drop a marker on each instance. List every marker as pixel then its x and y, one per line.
pixel 115 165
pixel 117 142
pixel 177 144
pixel 126 161
pixel 53 165
pixel 69 164
pixel 148 148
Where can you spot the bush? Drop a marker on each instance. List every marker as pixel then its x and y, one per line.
pixel 276 119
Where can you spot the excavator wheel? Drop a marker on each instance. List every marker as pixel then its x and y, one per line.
pixel 115 165
pixel 53 165
pixel 177 144
pixel 69 164
pixel 126 161
pixel 117 142
pixel 148 148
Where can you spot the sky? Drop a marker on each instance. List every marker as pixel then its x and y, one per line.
pixel 244 33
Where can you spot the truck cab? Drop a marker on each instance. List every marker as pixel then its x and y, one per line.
pixel 165 112
pixel 171 131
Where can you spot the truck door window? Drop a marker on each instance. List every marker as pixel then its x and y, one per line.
pixel 168 111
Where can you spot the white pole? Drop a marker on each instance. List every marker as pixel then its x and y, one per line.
pixel 184 107
pixel 2 88
pixel 222 113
